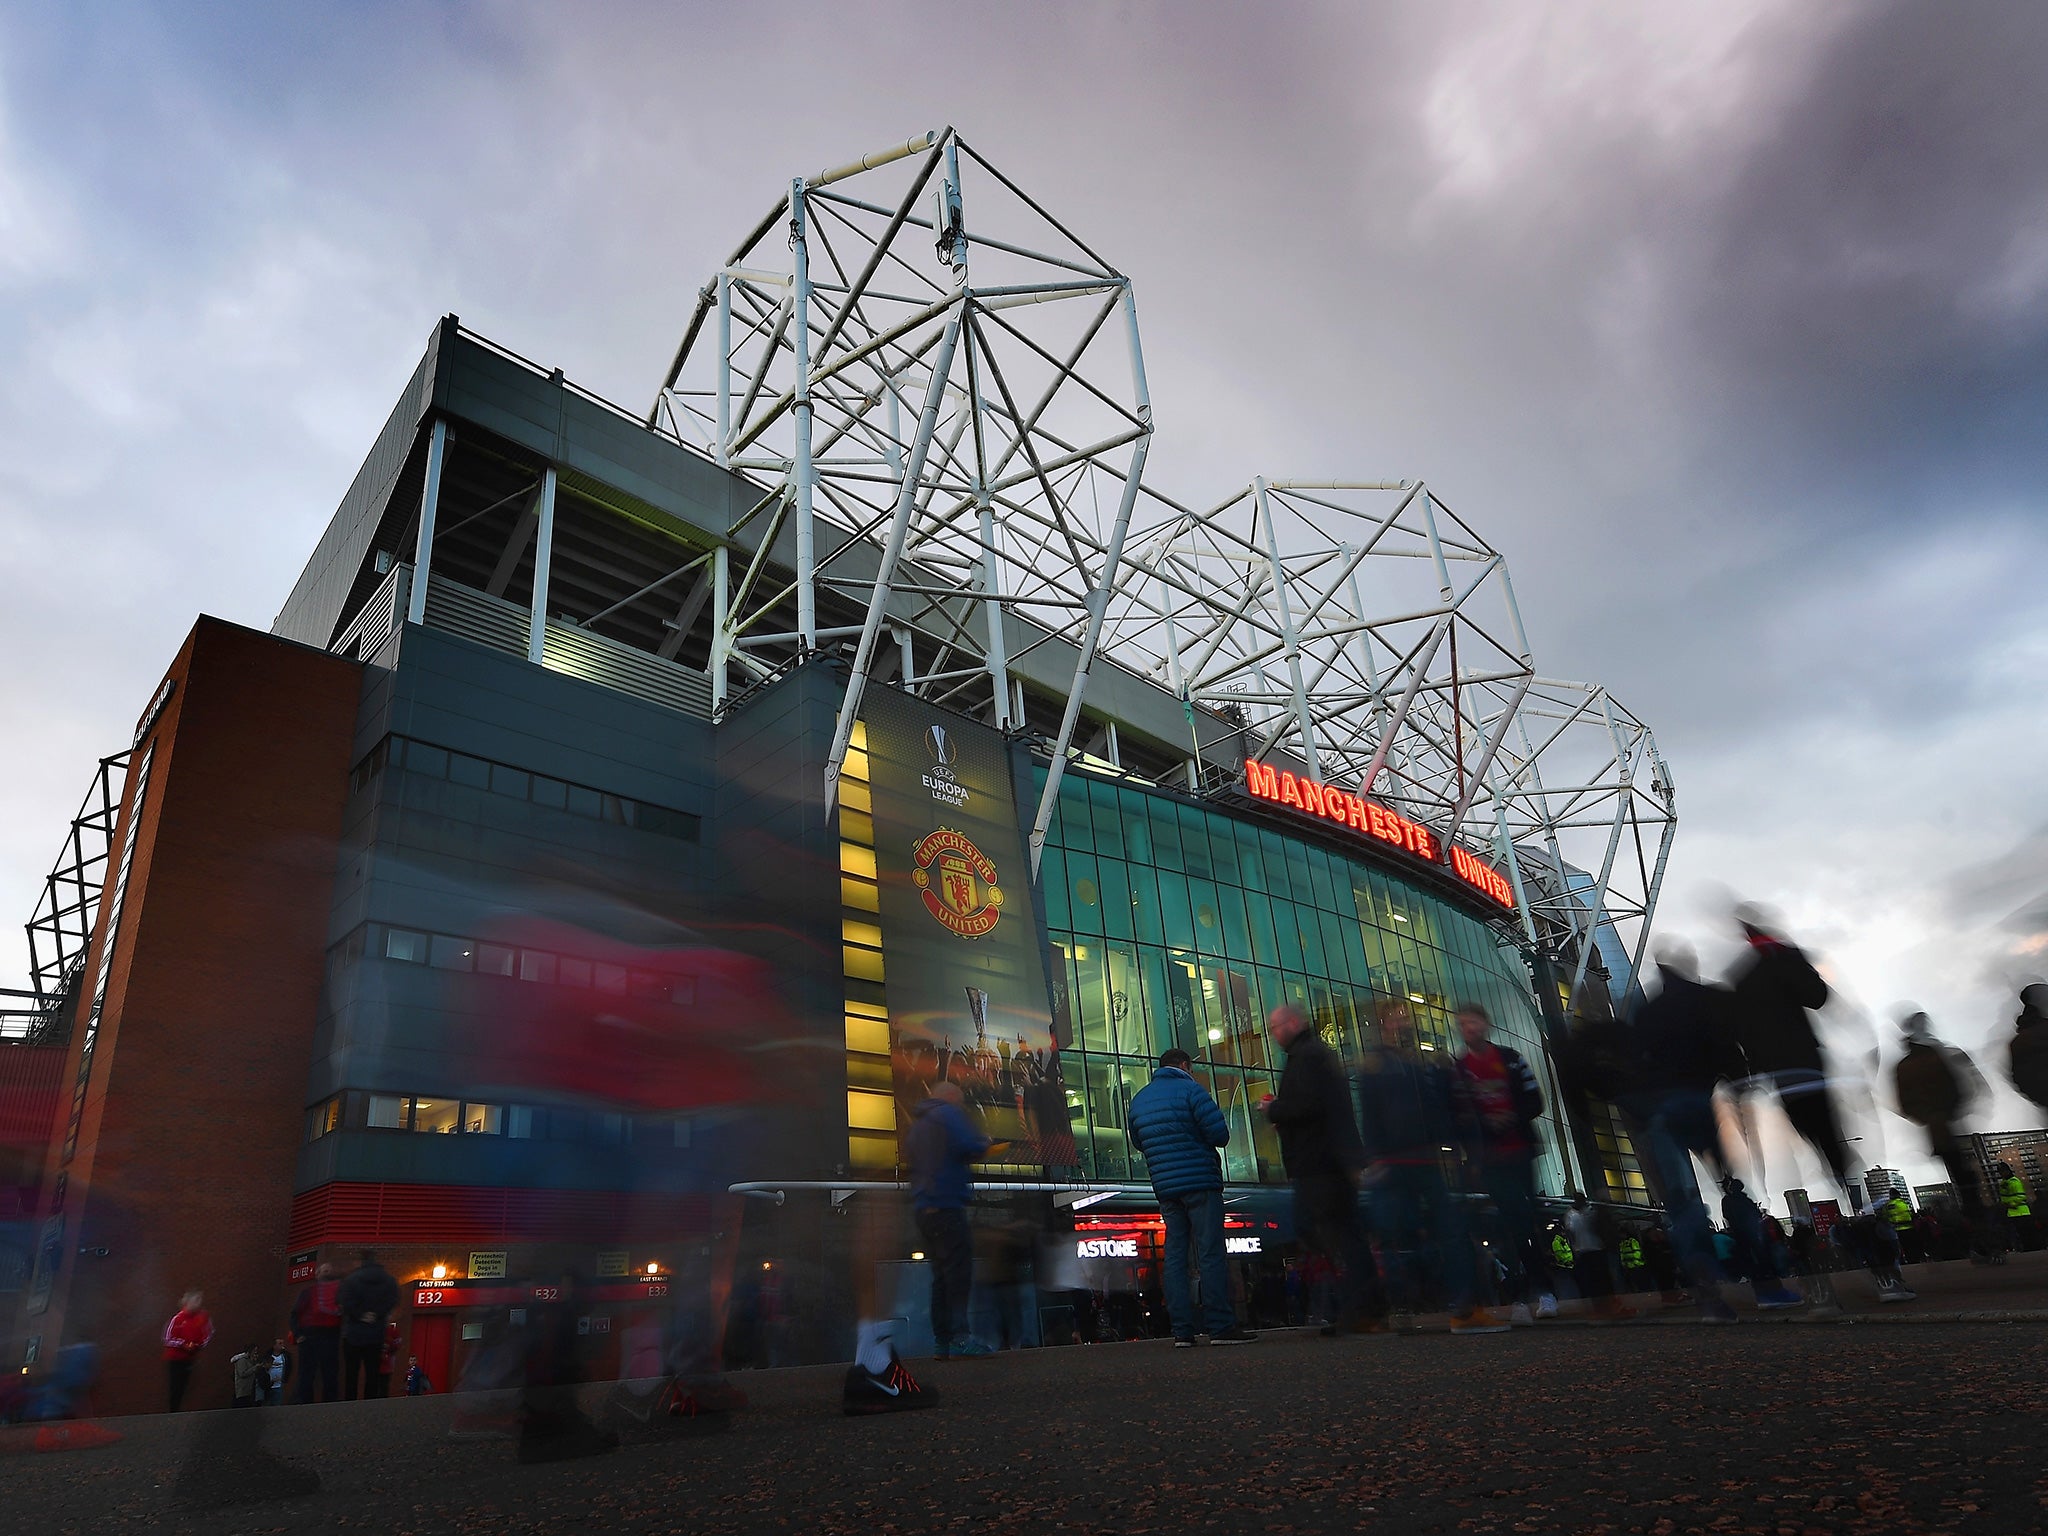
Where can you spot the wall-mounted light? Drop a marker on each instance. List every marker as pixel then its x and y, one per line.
pixel 653 1268
pixel 917 1258
pixel 440 1271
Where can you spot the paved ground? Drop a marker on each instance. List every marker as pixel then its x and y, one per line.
pixel 1658 1430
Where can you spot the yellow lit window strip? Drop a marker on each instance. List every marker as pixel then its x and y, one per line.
pixel 870 1036
pixel 860 933
pixel 856 796
pixel 856 860
pixel 862 964
pixel 867 1111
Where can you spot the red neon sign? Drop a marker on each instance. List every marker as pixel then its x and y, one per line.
pixel 1304 795
pixel 1481 875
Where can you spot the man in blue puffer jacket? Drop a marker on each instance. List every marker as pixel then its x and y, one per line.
pixel 1178 1128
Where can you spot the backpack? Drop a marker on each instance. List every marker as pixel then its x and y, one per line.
pixel 1928 1092
pixel 2028 1059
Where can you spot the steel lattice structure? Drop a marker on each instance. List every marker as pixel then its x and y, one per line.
pixel 942 389
pixel 939 392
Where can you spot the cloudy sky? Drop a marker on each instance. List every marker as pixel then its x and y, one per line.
pixel 1729 325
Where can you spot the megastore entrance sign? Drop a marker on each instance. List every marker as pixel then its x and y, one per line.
pixel 1278 786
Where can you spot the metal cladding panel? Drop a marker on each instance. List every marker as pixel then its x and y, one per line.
pixel 454 1213
pixel 319 600
pixel 594 442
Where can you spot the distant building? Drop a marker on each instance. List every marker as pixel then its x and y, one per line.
pixel 1884 1183
pixel 2025 1151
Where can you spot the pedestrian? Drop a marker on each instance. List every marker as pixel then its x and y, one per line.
pixel 1177 1127
pixel 2013 1201
pixel 1683 1048
pixel 416 1383
pixel 2027 1054
pixel 249 1368
pixel 316 1329
pixel 1412 1108
pixel 1324 1159
pixel 188 1332
pixel 1588 1232
pixel 1635 1272
pixel 277 1372
pixel 1775 986
pixel 1505 1102
pixel 366 1300
pixel 1935 1085
pixel 943 1146
pixel 1759 1259
pixel 387 1357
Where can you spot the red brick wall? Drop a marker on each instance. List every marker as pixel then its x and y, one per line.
pixel 189 1144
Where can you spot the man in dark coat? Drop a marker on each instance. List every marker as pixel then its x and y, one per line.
pixel 1177 1126
pixel 1414 1109
pixel 941 1149
pixel 1320 1148
pixel 366 1300
pixel 1774 986
pixel 1683 1047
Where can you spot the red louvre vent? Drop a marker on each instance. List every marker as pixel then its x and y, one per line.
pixel 454 1213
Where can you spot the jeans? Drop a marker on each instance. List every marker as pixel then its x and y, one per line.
pixel 1196 1219
pixel 1326 1216
pixel 1412 1196
pixel 1683 1124
pixel 359 1364
pixel 949 1249
pixel 177 1376
pixel 1511 1188
pixel 320 1364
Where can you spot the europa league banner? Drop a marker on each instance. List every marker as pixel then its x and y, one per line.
pixel 963 972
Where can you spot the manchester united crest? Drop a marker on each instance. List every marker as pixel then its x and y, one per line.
pixel 958 883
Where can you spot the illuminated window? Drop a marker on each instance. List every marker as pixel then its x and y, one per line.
pixel 494 960
pixel 482 1119
pixel 443 1116
pixel 387 1112
pixel 536 965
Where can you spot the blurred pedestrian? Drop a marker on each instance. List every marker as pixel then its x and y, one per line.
pixel 1756 1257
pixel 387 1357
pixel 366 1300
pixel 942 1147
pixel 1320 1149
pixel 1775 986
pixel 1590 1229
pixel 1176 1125
pixel 1935 1086
pixel 2027 1054
pixel 1413 1109
pixel 416 1383
pixel 1683 1048
pixel 188 1332
pixel 316 1329
pixel 1505 1102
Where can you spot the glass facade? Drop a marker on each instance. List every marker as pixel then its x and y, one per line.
pixel 1173 924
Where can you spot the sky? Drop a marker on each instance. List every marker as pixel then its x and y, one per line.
pixel 1728 325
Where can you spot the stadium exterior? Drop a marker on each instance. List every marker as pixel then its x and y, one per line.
pixel 627 818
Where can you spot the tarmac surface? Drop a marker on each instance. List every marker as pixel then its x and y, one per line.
pixel 1840 1418
pixel 1841 1425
